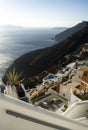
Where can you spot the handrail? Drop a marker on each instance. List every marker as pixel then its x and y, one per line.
pixel 25 117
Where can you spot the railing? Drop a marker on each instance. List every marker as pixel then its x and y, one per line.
pixel 52 120
pixel 18 115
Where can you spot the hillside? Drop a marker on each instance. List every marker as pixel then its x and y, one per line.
pixel 36 62
pixel 67 33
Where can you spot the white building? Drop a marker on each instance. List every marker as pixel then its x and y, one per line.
pixel 52 78
pixel 66 91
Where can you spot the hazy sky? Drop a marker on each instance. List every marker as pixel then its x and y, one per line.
pixel 43 13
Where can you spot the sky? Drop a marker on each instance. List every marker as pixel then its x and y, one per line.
pixel 43 13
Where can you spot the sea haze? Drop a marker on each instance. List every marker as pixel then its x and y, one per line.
pixel 16 42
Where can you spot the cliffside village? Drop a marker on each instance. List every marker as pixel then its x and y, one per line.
pixel 58 91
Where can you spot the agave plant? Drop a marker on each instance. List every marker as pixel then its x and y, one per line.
pixel 14 77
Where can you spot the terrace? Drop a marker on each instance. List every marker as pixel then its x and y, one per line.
pixel 78 111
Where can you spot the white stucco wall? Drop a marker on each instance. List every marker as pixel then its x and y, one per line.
pixel 65 91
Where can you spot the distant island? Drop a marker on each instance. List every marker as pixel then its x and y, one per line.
pixel 10 27
pixel 37 64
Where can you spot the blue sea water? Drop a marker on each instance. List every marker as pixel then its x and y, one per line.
pixel 14 43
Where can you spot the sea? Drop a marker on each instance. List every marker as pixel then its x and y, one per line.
pixel 16 42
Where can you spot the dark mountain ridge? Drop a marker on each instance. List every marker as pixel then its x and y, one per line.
pixel 36 62
pixel 67 33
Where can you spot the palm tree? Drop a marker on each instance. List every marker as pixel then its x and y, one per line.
pixel 14 77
